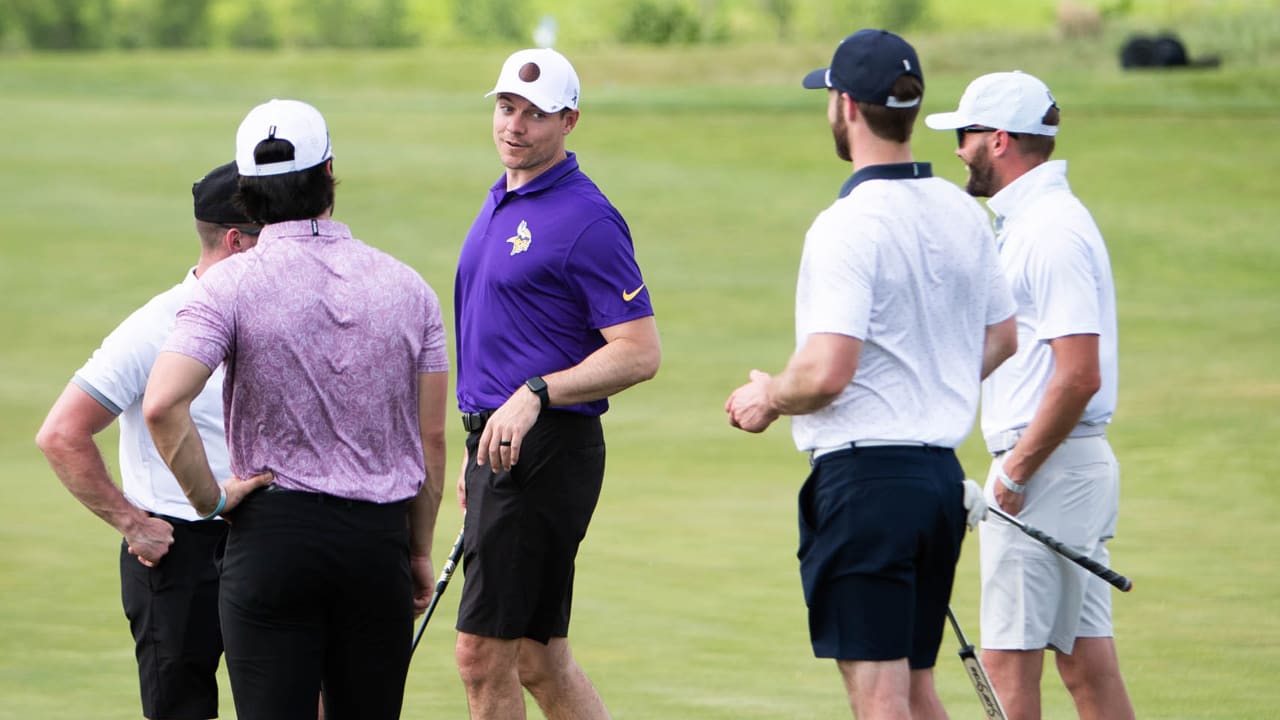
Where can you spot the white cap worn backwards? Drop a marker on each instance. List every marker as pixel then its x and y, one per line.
pixel 1011 101
pixel 291 120
pixel 542 76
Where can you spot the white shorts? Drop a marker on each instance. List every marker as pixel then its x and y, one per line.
pixel 1032 597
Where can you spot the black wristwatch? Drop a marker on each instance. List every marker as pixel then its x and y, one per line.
pixel 539 388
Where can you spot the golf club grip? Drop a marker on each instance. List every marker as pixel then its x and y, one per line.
pixel 991 707
pixel 442 582
pixel 449 564
pixel 1122 583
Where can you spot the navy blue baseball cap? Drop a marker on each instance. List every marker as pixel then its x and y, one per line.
pixel 866 65
pixel 212 194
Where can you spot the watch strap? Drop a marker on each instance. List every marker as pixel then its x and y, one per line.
pixel 539 387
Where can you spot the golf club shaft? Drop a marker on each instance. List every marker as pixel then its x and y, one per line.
pixel 977 674
pixel 441 583
pixel 1121 582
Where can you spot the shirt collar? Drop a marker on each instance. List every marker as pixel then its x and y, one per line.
pixel 327 230
pixel 890 171
pixel 546 179
pixel 1045 177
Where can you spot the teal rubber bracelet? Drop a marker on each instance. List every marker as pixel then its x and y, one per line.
pixel 222 502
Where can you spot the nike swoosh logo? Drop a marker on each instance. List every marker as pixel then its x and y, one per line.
pixel 629 296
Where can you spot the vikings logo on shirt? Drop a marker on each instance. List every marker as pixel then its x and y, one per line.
pixel 520 241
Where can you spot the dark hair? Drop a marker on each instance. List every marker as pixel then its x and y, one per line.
pixel 895 123
pixel 298 195
pixel 1039 145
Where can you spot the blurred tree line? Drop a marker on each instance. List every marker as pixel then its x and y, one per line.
pixel 268 24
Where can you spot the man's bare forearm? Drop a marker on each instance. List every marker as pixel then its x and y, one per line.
pixel 1074 382
pixel 79 464
pixel 175 382
pixel 433 389
pixel 631 356
pixel 1000 342
pixel 67 440
pixel 425 507
pixel 816 374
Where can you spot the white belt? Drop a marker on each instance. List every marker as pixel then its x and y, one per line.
pixel 1004 441
pixel 816 453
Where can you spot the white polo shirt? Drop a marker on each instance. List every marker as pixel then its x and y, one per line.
pixel 1058 268
pixel 116 376
pixel 907 263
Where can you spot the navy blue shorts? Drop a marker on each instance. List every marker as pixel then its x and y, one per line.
pixel 523 529
pixel 173 612
pixel 880 534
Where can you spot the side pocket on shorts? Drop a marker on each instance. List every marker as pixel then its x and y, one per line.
pixel 808 513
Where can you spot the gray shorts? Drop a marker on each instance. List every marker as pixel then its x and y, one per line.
pixel 1032 597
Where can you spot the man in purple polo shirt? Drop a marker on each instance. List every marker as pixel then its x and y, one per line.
pixel 552 318
pixel 336 385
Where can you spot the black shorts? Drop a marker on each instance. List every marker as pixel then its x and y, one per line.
pixel 316 591
pixel 523 529
pixel 880 534
pixel 173 612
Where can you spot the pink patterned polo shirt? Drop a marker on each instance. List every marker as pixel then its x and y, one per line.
pixel 323 339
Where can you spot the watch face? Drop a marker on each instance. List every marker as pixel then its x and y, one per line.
pixel 538 386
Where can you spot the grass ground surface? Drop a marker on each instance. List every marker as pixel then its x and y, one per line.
pixel 688 603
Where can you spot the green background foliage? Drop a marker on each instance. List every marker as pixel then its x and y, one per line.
pixel 130 24
pixel 688 603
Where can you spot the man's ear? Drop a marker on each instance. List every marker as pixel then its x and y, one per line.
pixel 1001 144
pixel 570 121
pixel 231 240
pixel 848 106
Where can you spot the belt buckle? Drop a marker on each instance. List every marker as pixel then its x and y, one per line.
pixel 475 421
pixel 1005 440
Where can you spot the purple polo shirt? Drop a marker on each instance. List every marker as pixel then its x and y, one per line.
pixel 323 338
pixel 543 268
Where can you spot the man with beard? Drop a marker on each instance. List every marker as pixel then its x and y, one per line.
pixel 901 309
pixel 1045 412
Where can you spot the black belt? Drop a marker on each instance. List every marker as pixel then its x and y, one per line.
pixel 326 499
pixel 474 421
pixel 175 521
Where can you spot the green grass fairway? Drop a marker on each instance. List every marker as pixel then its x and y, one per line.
pixel 688 602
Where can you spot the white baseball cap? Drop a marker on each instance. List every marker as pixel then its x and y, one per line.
pixel 542 76
pixel 1011 101
pixel 291 120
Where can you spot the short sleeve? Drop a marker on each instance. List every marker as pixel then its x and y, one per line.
pixel 1000 303
pixel 116 374
pixel 1063 286
pixel 204 327
pixel 433 357
pixel 604 274
pixel 837 274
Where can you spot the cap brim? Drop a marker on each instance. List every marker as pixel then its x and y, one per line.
pixel 548 108
pixel 816 80
pixel 946 121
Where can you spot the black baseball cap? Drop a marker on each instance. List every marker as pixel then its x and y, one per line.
pixel 866 65
pixel 212 197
